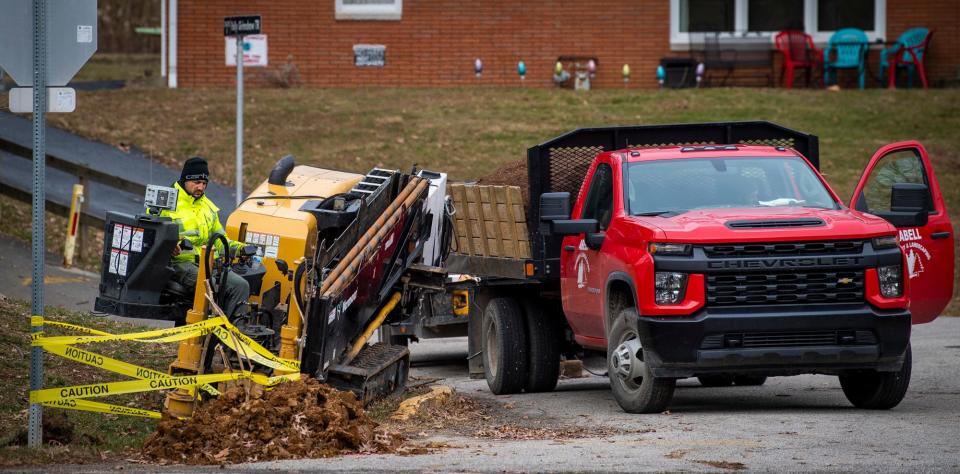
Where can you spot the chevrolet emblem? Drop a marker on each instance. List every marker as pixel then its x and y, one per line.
pixel 845 281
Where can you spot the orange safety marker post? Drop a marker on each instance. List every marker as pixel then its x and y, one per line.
pixel 73 225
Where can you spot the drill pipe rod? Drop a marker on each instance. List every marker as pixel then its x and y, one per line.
pixel 372 243
pixel 368 234
pixel 371 237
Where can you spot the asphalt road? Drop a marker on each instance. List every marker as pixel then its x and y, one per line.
pixel 801 423
pixel 790 424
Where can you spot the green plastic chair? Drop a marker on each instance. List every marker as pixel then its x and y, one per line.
pixel 846 49
pixel 908 53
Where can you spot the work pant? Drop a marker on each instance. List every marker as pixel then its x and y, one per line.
pixel 234 293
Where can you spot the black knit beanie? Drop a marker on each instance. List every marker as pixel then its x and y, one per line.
pixel 194 169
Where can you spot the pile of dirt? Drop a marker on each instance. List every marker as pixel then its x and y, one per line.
pixel 302 419
pixel 513 173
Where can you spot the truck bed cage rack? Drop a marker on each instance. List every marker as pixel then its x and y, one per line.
pixel 561 164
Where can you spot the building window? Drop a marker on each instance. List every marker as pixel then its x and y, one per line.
pixel 775 15
pixel 369 9
pixel 835 14
pixel 760 20
pixel 706 15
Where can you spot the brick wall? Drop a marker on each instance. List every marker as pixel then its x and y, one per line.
pixel 437 41
pixel 942 16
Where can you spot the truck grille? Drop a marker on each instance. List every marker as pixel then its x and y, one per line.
pixel 784 288
pixel 786 248
pixel 788 339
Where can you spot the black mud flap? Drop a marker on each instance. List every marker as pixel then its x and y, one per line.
pixel 378 371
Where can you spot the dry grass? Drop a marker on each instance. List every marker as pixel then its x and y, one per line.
pixel 468 132
pixel 95 437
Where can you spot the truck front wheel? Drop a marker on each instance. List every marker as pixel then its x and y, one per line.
pixel 504 346
pixel 877 390
pixel 635 390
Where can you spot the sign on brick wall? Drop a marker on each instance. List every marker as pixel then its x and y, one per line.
pixel 369 55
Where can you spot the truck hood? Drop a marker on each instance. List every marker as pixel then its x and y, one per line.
pixel 768 224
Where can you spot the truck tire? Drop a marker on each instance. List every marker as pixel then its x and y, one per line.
pixel 543 338
pixel 504 346
pixel 715 380
pixel 635 390
pixel 877 390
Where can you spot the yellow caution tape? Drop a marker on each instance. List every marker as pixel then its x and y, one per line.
pixel 131 386
pixel 74 327
pixel 113 365
pixel 250 349
pixel 87 405
pixel 149 380
pixel 156 335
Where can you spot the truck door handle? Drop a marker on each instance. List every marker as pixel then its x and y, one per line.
pixel 940 235
pixel 569 248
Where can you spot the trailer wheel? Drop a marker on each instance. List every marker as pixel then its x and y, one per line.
pixel 504 346
pixel 543 337
pixel 635 390
pixel 877 390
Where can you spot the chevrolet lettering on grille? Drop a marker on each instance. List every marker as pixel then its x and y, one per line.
pixel 787 262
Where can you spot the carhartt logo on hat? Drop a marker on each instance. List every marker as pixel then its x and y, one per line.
pixel 195 169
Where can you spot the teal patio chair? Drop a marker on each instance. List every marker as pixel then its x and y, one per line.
pixel 846 49
pixel 906 53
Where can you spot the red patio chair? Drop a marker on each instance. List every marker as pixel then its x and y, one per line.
pixel 799 52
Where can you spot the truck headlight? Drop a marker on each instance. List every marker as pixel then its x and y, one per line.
pixel 891 281
pixel 660 248
pixel 885 242
pixel 669 287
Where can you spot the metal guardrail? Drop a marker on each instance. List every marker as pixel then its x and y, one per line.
pixel 114 180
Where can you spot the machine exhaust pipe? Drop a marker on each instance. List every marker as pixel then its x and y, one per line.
pixel 280 171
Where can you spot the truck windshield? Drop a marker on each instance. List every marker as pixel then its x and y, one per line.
pixel 670 186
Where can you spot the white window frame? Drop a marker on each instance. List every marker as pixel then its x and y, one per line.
pixel 680 41
pixel 369 12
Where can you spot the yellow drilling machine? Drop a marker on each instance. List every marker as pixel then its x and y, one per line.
pixel 330 257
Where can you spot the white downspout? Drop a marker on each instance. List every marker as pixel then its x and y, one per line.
pixel 172 72
pixel 163 38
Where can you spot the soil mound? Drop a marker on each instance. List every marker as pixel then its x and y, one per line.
pixel 513 173
pixel 294 420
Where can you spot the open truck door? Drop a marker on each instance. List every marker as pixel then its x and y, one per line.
pixel 900 186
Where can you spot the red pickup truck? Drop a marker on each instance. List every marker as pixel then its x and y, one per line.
pixel 718 251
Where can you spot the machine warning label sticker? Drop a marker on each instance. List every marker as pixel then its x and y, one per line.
pixel 114 257
pixel 137 244
pixel 122 263
pixel 268 245
pixel 117 235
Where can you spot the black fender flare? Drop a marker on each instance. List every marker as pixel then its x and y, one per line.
pixel 624 277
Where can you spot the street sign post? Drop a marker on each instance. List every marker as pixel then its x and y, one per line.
pixel 239 26
pixel 64 36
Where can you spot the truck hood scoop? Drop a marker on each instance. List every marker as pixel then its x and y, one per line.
pixel 773 223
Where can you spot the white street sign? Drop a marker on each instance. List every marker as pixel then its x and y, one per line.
pixel 254 50
pixel 59 100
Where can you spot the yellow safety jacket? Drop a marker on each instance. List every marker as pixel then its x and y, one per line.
pixel 198 220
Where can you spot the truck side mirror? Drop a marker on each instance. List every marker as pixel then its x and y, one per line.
pixel 573 226
pixel 554 206
pixel 282 266
pixel 909 205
